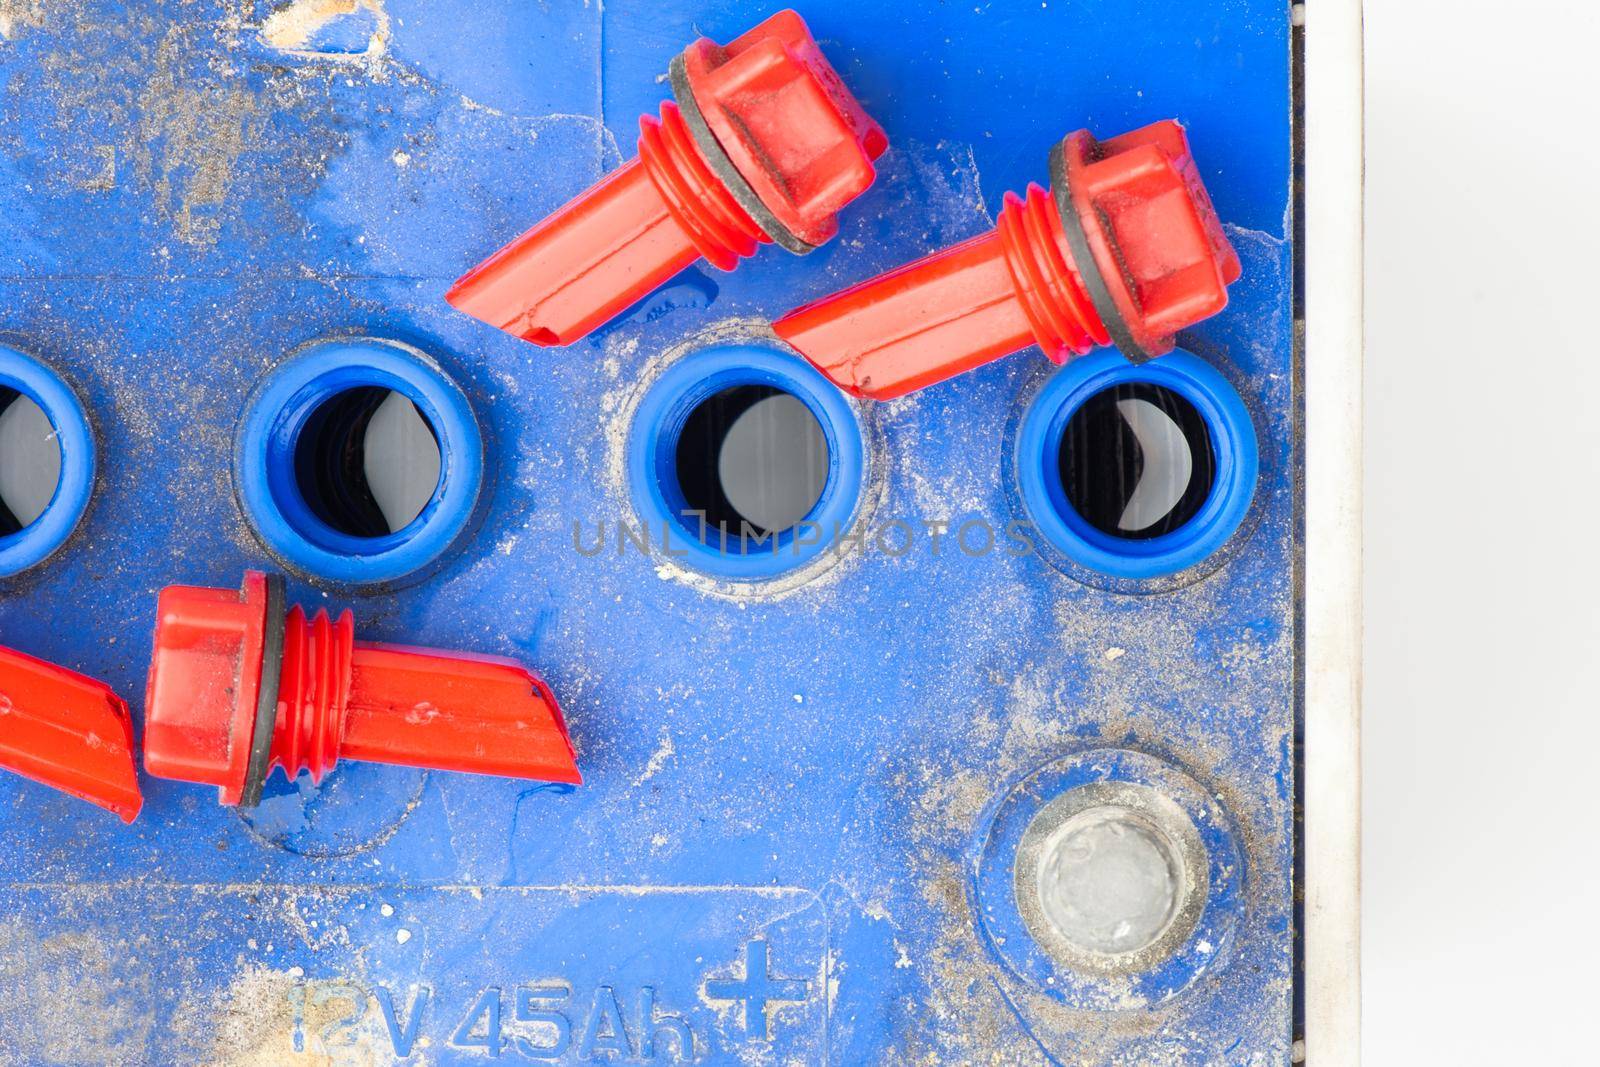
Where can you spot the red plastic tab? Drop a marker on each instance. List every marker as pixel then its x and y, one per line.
pixel 763 143
pixel 335 698
pixel 67 731
pixel 461 712
pixel 1127 251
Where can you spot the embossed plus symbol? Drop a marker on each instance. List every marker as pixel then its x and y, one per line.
pixel 758 989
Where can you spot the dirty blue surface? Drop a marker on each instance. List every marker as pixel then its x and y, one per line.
pixel 770 861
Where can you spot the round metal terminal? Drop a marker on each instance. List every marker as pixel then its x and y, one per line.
pixel 1111 878
pixel 717 159
pixel 1109 882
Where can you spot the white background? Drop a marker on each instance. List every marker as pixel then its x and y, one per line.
pixel 1482 713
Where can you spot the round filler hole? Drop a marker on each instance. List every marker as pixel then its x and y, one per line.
pixel 1137 461
pixel 1131 473
pixel 47 462
pixel 359 462
pixel 367 462
pixel 750 457
pixel 30 461
pixel 745 463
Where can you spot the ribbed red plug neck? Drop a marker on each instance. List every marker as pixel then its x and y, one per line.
pixel 720 230
pixel 1047 285
pixel 313 692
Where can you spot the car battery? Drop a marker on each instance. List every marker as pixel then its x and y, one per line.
pixel 957 718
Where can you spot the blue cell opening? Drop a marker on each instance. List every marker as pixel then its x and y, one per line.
pixel 745 463
pixel 1137 470
pixel 43 426
pixel 359 462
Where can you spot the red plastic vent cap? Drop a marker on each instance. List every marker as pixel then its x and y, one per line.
pixel 240 684
pixel 1126 249
pixel 761 143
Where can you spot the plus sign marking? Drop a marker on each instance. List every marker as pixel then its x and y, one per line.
pixel 758 991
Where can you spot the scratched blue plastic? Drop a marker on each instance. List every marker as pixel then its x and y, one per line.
pixel 769 860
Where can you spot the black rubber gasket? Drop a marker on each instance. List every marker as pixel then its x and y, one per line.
pixel 717 157
pixel 1088 268
pixel 260 765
